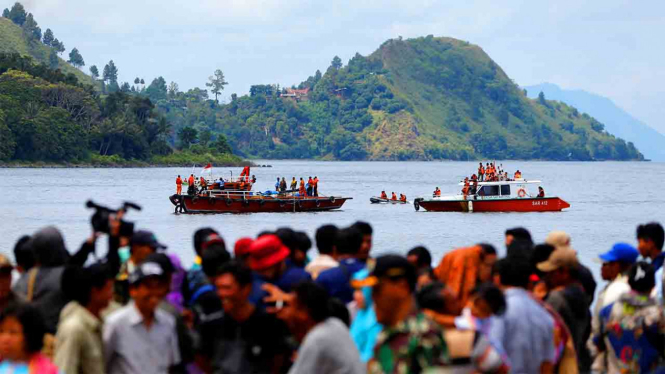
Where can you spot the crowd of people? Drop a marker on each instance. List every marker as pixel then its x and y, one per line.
pixel 304 188
pixel 491 172
pixel 272 305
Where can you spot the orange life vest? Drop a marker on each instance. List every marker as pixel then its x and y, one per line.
pixel 191 180
pixel 384 196
pixel 437 193
pixel 403 199
pixel 394 197
pixel 178 181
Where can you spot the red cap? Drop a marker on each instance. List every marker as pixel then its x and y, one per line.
pixel 242 246
pixel 266 251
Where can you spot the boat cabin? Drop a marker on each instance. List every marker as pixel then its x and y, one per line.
pixel 517 189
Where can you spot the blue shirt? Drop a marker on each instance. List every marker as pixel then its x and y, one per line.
pixel 526 332
pixel 337 280
pixel 13 368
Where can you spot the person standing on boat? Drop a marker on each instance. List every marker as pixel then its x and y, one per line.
pixel 481 172
pixel 310 186
pixel 316 186
pixel 518 175
pixel 282 185
pixel 277 184
pixel 302 191
pixel 191 180
pixel 437 192
pixel 394 197
pixel 541 192
pixel 178 185
pixel 294 184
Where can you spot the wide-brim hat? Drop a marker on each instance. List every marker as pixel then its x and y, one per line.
pixel 266 251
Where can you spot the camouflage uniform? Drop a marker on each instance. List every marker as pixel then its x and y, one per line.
pixel 413 346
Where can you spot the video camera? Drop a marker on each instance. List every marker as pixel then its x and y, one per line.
pixel 100 220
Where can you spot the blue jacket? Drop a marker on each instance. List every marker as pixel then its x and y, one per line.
pixel 337 281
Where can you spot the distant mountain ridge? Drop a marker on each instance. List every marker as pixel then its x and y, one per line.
pixel 616 120
pixel 425 98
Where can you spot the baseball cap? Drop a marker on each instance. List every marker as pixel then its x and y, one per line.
pixel 393 267
pixel 146 270
pixel 560 257
pixel 5 263
pixel 622 252
pixel 558 239
pixel 211 239
pixel 266 251
pixel 143 237
pixel 242 246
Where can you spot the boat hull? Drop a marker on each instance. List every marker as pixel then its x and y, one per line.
pixel 255 204
pixel 378 200
pixel 547 204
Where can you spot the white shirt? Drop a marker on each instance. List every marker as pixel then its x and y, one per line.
pixel 131 348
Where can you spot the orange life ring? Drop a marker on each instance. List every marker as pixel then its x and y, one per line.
pixel 521 192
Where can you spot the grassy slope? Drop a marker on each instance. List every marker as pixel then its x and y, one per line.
pixel 13 40
pixel 414 66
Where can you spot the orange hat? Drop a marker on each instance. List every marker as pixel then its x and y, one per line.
pixel 242 246
pixel 267 251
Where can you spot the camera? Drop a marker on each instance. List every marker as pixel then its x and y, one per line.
pixel 100 219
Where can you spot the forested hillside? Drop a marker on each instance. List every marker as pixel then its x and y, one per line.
pixel 424 98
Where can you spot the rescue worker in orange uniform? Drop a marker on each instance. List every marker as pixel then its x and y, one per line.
pixel 191 180
pixel 384 195
pixel 465 189
pixel 437 192
pixel 303 191
pixel 402 198
pixel 394 197
pixel 481 172
pixel 316 186
pixel 518 174
pixel 178 185
pixel 541 192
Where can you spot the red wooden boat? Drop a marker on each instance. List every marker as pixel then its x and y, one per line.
pixel 502 196
pixel 244 202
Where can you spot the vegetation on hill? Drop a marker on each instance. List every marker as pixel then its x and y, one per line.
pixel 47 116
pixel 417 99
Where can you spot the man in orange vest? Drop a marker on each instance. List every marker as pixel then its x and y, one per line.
pixel 383 195
pixel 316 186
pixel 402 198
pixel 437 192
pixel 302 191
pixel 191 180
pixel 481 172
pixel 310 187
pixel 394 197
pixel 178 186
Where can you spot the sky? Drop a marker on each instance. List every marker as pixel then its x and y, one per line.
pixel 612 47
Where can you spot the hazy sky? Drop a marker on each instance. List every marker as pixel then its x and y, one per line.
pixel 612 48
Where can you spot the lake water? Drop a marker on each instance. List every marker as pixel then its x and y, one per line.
pixel 608 201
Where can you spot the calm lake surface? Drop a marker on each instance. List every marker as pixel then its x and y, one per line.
pixel 608 201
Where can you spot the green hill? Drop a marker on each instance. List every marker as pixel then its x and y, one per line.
pixel 13 40
pixel 417 99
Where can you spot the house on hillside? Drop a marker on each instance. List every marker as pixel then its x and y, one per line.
pixel 295 94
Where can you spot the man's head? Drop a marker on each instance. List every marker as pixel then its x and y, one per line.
pixel 234 284
pixel 309 306
pixel 91 287
pixel 394 281
pixel 349 241
pixel 487 300
pixel 6 268
pixel 487 260
pixel 517 233
pixel 297 242
pixel 617 260
pixel 213 258
pixel 25 258
pixel 560 268
pixel 420 258
pixel 48 247
pixel 241 249
pixel 650 239
pixel 199 237
pixel 512 273
pixel 267 256
pixel 326 236
pixel 641 278
pixel 366 231
pixel 144 243
pixel 147 286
